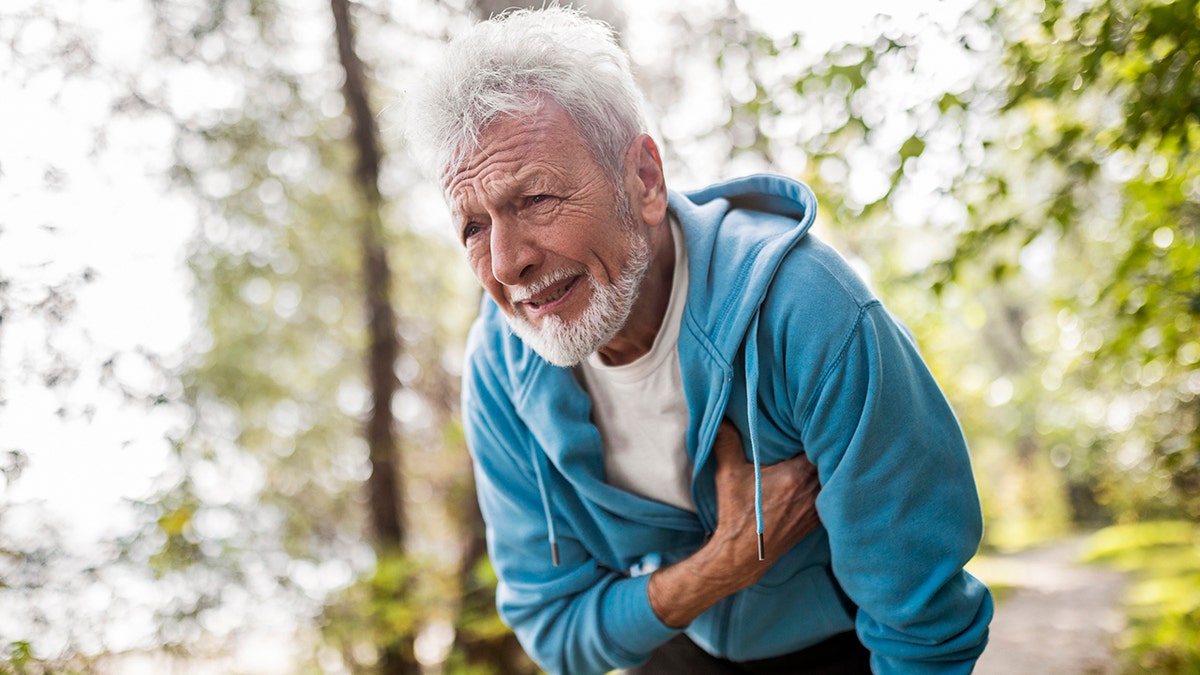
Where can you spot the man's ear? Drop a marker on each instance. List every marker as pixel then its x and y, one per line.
pixel 645 180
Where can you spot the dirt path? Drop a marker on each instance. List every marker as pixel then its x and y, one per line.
pixel 1061 618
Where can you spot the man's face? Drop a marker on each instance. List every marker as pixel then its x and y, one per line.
pixel 548 236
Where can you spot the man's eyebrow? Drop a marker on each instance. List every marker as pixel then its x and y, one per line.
pixel 530 177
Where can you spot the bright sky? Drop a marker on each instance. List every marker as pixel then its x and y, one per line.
pixel 827 24
pixel 111 215
pixel 111 211
pixel 64 208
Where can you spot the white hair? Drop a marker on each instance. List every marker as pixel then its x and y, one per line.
pixel 503 67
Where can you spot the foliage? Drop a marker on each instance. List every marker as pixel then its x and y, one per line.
pixel 1106 103
pixel 483 644
pixel 1163 603
pixel 367 617
pixel 277 385
pixel 18 658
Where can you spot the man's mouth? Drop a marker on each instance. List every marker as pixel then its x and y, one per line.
pixel 547 298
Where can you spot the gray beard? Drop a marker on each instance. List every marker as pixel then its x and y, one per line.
pixel 567 344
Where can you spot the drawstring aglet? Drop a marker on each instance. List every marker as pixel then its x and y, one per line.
pixel 554 552
pixel 761 548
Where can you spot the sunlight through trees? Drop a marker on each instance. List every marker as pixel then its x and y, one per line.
pixel 1018 180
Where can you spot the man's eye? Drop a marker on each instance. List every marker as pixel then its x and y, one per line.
pixel 470 230
pixel 539 199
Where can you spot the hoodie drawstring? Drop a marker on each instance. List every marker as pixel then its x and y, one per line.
pixel 751 350
pixel 539 470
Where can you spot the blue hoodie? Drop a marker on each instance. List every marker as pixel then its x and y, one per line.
pixel 770 310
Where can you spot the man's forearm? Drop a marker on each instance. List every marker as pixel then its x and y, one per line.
pixel 683 591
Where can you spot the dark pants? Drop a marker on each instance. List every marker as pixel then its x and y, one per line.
pixel 839 655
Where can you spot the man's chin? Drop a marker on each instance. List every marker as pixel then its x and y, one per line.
pixel 563 351
pixel 559 359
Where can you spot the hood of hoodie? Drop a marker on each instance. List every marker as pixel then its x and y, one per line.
pixel 757 220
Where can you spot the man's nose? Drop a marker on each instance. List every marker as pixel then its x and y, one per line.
pixel 514 252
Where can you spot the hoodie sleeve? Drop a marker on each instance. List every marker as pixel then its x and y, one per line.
pixel 898 496
pixel 578 617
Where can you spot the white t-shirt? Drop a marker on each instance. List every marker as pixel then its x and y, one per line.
pixel 640 410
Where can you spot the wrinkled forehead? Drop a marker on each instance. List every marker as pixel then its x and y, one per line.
pixel 495 164
pixel 512 150
pixel 470 188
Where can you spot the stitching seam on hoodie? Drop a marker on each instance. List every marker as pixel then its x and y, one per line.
pixel 734 296
pixel 855 330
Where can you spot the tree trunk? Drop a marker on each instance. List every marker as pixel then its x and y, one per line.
pixel 386 506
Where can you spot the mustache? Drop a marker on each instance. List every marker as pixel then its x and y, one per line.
pixel 525 292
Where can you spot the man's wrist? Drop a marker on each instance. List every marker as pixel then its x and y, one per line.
pixel 683 591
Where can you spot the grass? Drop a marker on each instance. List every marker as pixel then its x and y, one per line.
pixel 1163 600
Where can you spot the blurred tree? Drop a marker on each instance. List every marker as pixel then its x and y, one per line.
pixel 1098 167
pixel 386 507
pixel 303 370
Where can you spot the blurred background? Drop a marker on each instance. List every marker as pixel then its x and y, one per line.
pixel 232 311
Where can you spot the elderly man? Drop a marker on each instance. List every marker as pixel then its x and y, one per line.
pixel 651 375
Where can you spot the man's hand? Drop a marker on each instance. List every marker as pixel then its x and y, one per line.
pixel 789 494
pixel 729 561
